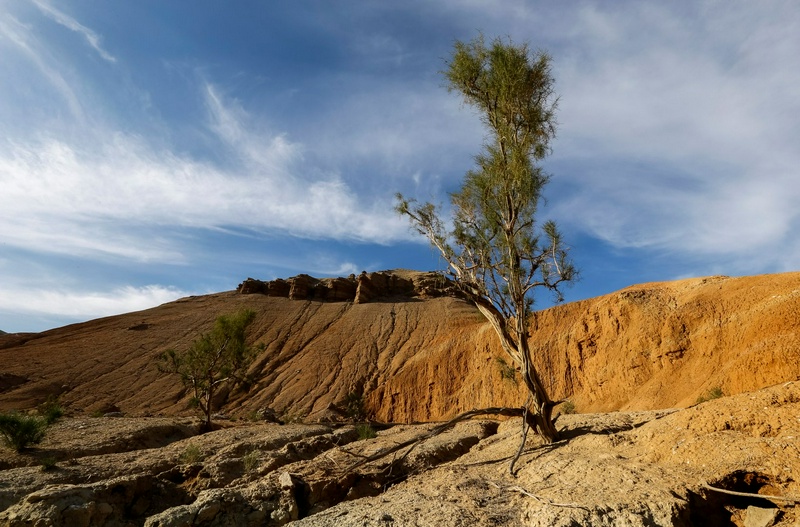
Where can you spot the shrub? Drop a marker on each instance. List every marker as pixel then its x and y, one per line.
pixel 251 460
pixel 568 407
pixel 19 430
pixel 507 371
pixel 51 410
pixel 220 356
pixel 290 418
pixel 48 463
pixel 714 393
pixel 191 454
pixel 354 406
pixel 366 432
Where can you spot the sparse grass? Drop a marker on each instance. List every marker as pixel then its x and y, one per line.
pixel 51 410
pixel 289 418
pixel 366 431
pixel 568 407
pixel 191 454
pixel 251 460
pixel 48 463
pixel 261 415
pixel 507 371
pixel 20 431
pixel 713 393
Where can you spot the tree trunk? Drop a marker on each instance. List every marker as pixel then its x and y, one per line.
pixel 209 396
pixel 540 411
pixel 540 408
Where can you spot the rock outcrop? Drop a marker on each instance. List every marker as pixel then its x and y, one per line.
pixel 365 287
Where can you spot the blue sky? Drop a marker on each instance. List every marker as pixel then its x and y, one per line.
pixel 151 150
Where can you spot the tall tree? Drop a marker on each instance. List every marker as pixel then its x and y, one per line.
pixel 497 253
pixel 218 356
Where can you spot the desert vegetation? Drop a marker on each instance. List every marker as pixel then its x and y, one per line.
pixel 217 357
pixel 710 394
pixel 498 253
pixel 19 430
pixel 644 467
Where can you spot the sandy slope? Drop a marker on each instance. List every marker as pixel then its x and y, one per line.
pixel 417 359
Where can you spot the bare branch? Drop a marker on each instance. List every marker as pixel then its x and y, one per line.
pixel 517 488
pixel 508 412
pixel 770 497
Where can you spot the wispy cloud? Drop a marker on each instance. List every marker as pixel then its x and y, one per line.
pixel 77 304
pixel 678 132
pixel 687 138
pixel 70 23
pixel 95 192
pixel 34 52
pixel 678 123
pixel 105 191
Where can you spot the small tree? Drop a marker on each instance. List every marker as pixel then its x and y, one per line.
pixel 497 253
pixel 216 357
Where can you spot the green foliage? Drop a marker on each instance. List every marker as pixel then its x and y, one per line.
pixel 20 431
pixel 497 251
pixel 251 460
pixel 568 407
pixel 365 431
pixel 289 417
pixel 507 371
pixel 48 463
pixel 714 393
pixel 216 357
pixel 191 454
pixel 51 410
pixel 354 406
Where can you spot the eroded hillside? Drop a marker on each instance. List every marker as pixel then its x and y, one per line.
pixel 417 356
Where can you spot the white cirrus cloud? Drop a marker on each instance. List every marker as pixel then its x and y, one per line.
pixel 685 132
pixel 93 193
pixel 25 46
pixel 81 304
pixel 70 23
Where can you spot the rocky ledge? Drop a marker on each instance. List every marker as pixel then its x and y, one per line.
pixel 366 287
pixel 634 469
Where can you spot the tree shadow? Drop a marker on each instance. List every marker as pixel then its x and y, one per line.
pixel 596 425
pixel 538 449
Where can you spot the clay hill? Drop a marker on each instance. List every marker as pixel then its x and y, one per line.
pixel 635 364
pixel 417 353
